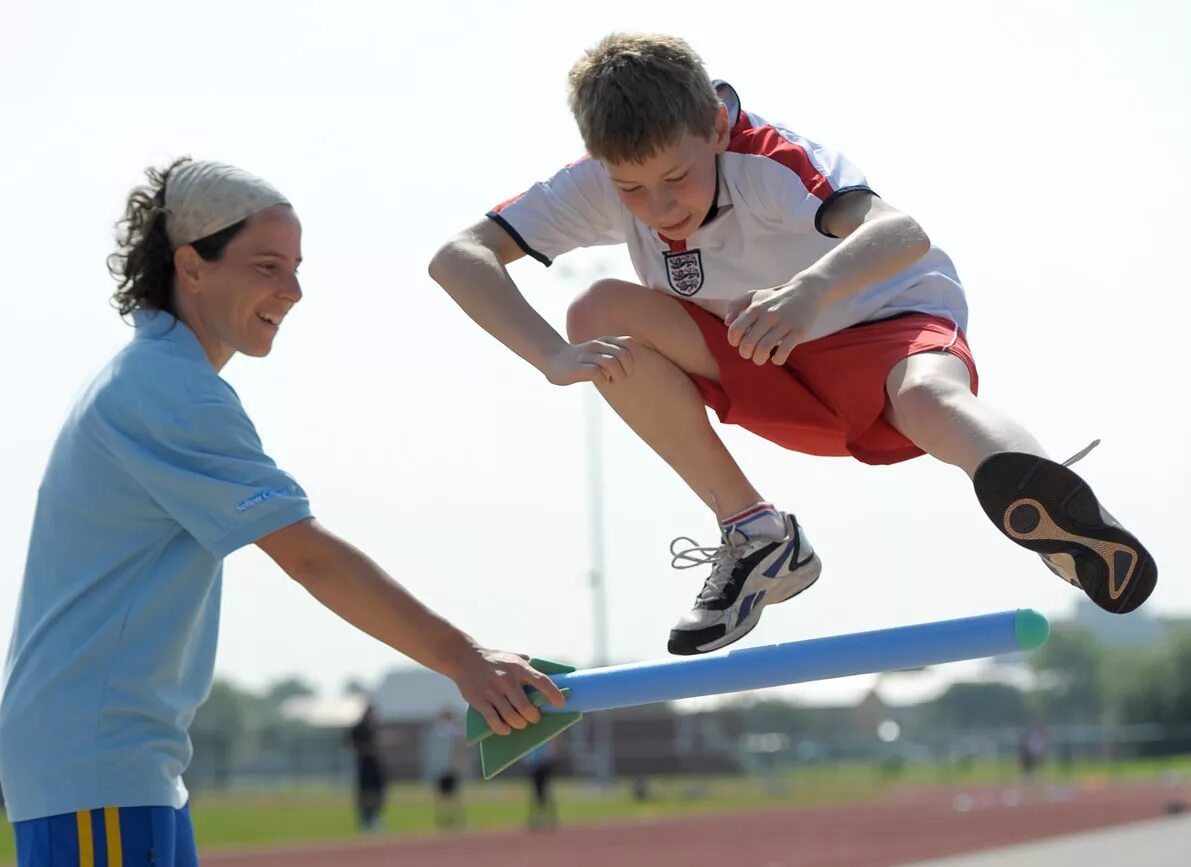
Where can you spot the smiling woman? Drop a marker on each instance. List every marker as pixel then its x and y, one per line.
pixel 231 282
pixel 157 475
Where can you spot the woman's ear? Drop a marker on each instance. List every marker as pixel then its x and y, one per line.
pixel 187 265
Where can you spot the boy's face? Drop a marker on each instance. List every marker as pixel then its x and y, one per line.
pixel 673 190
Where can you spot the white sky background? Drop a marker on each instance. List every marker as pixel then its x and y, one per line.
pixel 1043 145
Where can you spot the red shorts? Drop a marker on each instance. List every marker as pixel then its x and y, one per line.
pixel 829 398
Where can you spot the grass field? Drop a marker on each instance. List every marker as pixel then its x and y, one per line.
pixel 298 815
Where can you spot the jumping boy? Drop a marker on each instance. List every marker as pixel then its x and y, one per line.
pixel 777 288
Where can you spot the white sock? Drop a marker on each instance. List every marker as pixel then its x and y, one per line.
pixel 758 521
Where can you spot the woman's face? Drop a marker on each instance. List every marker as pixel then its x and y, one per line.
pixel 238 302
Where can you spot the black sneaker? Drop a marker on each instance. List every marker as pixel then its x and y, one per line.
pixel 746 575
pixel 1047 508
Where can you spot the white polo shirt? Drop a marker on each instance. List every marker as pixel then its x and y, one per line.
pixel 774 186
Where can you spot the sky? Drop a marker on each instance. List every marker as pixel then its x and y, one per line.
pixel 1042 145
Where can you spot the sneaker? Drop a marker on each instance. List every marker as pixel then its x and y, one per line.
pixel 746 575
pixel 1047 508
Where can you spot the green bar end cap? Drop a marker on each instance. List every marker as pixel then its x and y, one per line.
pixel 1031 628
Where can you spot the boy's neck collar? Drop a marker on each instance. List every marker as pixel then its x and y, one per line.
pixel 714 210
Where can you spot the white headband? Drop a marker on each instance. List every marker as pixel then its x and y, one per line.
pixel 204 197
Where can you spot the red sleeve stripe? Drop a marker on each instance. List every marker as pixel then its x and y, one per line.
pixel 768 142
pixel 505 204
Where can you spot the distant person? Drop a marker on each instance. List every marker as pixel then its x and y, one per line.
pixel 543 809
pixel 1031 751
pixel 773 285
pixel 446 760
pixel 370 773
pixel 155 477
pixel 1066 755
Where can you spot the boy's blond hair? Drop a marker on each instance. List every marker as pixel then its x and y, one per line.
pixel 635 93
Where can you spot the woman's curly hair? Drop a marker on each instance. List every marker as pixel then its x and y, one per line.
pixel 143 264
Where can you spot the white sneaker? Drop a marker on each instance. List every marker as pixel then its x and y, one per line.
pixel 746 575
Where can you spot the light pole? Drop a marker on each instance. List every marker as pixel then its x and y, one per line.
pixel 602 733
pixel 602 730
pixel 595 487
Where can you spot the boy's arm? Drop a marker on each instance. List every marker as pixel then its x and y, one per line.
pixel 346 581
pixel 471 268
pixel 879 242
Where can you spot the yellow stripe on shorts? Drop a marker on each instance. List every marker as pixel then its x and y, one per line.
pixel 111 824
pixel 86 842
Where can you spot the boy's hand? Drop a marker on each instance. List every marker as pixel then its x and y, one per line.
pixel 602 361
pixel 766 324
pixel 493 682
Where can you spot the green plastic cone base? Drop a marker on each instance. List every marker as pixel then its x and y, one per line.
pixel 500 751
pixel 497 752
pixel 476 728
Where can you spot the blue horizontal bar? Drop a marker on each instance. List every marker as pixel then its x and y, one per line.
pixel 904 647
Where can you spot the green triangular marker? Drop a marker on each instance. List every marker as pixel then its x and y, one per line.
pixel 545 666
pixel 498 752
pixel 476 728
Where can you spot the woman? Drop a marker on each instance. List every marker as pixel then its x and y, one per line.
pixel 156 476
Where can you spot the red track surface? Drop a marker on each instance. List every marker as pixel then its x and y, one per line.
pixel 908 827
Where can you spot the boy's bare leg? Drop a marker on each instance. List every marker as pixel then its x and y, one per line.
pixel 658 400
pixel 1043 506
pixel 931 404
pixel 661 404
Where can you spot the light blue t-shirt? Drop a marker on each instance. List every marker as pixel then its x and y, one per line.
pixel 156 476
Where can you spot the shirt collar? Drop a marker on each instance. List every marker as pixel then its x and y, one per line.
pixel 160 325
pixel 728 96
pixel 721 196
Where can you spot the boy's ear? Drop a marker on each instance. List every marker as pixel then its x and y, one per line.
pixel 723 129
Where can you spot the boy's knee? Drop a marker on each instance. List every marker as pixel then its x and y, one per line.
pixel 922 395
pixel 597 312
pixel 922 384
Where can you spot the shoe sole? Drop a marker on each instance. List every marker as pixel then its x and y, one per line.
pixel 747 626
pixel 1045 507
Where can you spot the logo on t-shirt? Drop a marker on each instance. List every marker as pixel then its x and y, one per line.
pixel 268 494
pixel 685 271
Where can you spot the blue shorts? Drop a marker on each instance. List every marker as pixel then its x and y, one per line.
pixel 108 837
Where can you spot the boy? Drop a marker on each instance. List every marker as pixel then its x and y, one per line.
pixel 778 289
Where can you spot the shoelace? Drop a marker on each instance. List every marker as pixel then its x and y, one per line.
pixel 1082 453
pixel 722 558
